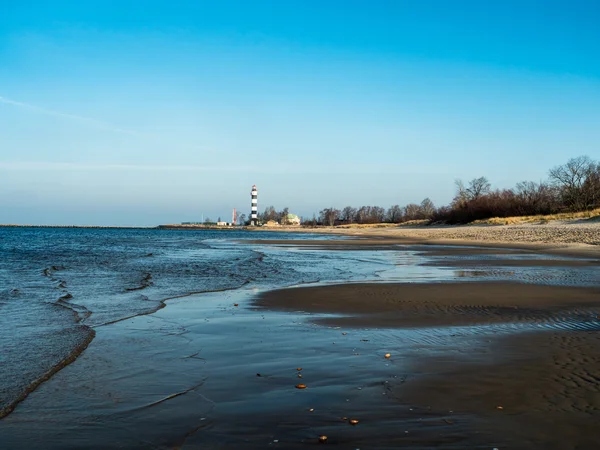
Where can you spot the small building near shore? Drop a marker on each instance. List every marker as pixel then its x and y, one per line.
pixel 292 219
pixel 272 223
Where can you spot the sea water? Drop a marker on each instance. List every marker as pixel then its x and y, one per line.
pixel 57 285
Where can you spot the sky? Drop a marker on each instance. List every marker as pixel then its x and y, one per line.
pixel 150 112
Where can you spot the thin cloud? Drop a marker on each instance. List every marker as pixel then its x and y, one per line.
pixel 276 168
pixel 68 166
pixel 92 122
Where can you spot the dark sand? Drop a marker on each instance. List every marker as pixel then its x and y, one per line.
pixel 435 304
pixel 533 389
pixel 464 263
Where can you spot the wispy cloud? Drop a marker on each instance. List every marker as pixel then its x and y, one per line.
pixel 85 120
pixel 71 166
pixel 264 168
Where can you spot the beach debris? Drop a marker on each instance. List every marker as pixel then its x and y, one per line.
pixel 323 439
pixel 276 440
pixel 344 418
pixel 311 409
pixel 235 304
pixel 388 355
pixel 258 375
pixel 298 369
pixel 344 333
pixel 353 422
pixel 499 407
pixel 364 340
pixel 300 386
pixel 299 375
pixel 449 422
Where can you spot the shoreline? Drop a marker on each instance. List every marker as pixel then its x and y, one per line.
pixel 75 353
pixel 555 239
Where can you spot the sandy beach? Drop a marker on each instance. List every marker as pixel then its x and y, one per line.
pixel 581 237
pixel 552 233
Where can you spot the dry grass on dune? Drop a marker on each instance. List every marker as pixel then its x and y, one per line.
pixel 540 218
pixel 516 220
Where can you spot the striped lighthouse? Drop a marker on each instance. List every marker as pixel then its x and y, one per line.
pixel 254 213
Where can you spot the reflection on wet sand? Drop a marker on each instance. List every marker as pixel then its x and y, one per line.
pixel 482 273
pixel 484 363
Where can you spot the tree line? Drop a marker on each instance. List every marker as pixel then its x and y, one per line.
pixel 571 187
pixel 373 214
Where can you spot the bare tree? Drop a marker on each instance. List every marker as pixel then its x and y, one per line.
pixel 362 215
pixel 242 219
pixel 427 209
pixel 461 196
pixel 370 214
pixel 348 214
pixel 592 186
pixel 571 179
pixel 478 187
pixel 412 211
pixel 378 214
pixel 395 214
pixel 328 216
pixel 536 198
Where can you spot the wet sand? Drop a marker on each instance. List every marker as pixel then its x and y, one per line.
pixel 464 263
pixel 437 304
pixel 427 240
pixel 539 389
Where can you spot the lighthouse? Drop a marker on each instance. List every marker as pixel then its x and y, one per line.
pixel 254 213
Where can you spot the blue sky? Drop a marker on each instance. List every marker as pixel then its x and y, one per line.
pixel 142 112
